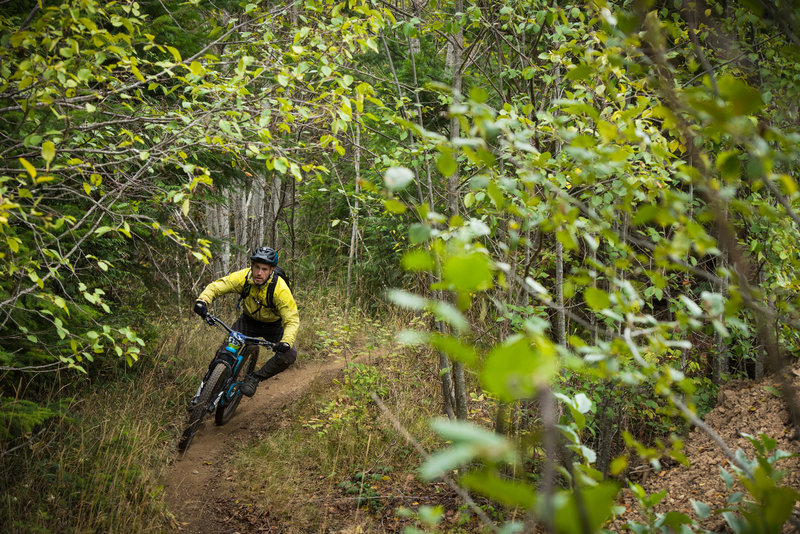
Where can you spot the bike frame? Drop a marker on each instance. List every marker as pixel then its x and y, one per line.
pixel 236 344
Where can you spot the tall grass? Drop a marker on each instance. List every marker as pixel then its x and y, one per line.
pixel 96 470
pixel 317 468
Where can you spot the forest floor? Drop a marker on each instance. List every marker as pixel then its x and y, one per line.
pixel 200 485
pixel 743 407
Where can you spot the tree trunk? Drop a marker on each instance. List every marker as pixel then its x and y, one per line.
pixel 454 55
pixel 218 227
pixel 354 211
pixel 445 371
pixel 561 316
pixel 447 387
pixel 720 364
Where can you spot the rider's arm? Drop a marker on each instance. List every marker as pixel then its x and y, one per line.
pixel 287 309
pixel 231 283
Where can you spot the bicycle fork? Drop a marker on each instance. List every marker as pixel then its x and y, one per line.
pixel 193 403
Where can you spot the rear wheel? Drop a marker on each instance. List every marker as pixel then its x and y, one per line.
pixel 198 413
pixel 224 413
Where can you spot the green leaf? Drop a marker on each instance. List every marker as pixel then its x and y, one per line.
pixel 581 72
pixel 470 441
pixel 597 299
pixel 459 431
pixel 455 348
pixel 196 68
pixel 691 306
pixel 28 167
pixel 406 299
pixel 744 100
pixel 417 260
pixel 467 272
pixel 596 506
pixel 673 521
pixel 442 462
pixel 419 233
pixel 394 206
pixel 701 509
pixel 448 313
pixel 13 243
pixel 478 94
pixel 517 368
pixel 446 163
pixel 509 492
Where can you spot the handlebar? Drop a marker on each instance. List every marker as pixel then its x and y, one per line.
pixel 213 320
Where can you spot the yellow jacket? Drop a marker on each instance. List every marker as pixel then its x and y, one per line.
pixel 255 304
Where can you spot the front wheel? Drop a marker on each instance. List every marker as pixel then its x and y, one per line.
pixel 198 413
pixel 225 410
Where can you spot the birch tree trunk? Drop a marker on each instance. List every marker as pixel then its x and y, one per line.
pixel 454 55
pixel 354 211
pixel 218 226
pixel 272 207
pixel 720 363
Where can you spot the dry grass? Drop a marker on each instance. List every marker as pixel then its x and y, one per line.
pixel 98 470
pixel 331 456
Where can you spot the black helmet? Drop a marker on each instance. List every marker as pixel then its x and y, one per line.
pixel 265 255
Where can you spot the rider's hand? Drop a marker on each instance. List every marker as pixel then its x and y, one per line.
pixel 201 308
pixel 282 347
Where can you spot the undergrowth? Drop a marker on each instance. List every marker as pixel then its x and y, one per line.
pixel 96 468
pixel 333 460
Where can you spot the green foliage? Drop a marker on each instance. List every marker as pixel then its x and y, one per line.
pixel 616 167
pixel 19 417
pixel 648 171
pixel 98 467
pixel 361 486
pixel 351 405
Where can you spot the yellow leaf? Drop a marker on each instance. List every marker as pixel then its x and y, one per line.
pixel 28 167
pixel 174 52
pixel 196 68
pixel 87 188
pixel 13 243
pixel 48 152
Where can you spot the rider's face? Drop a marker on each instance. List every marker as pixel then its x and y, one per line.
pixel 261 272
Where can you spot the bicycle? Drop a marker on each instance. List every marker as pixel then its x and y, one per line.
pixel 219 390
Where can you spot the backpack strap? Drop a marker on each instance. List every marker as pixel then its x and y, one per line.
pixel 271 290
pixel 245 291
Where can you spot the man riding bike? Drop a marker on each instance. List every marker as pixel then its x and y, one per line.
pixel 268 310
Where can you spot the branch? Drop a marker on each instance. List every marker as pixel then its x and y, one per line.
pixel 422 452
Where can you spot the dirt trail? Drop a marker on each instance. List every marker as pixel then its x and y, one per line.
pixel 195 483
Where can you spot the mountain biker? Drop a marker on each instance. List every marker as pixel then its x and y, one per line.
pixel 276 319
